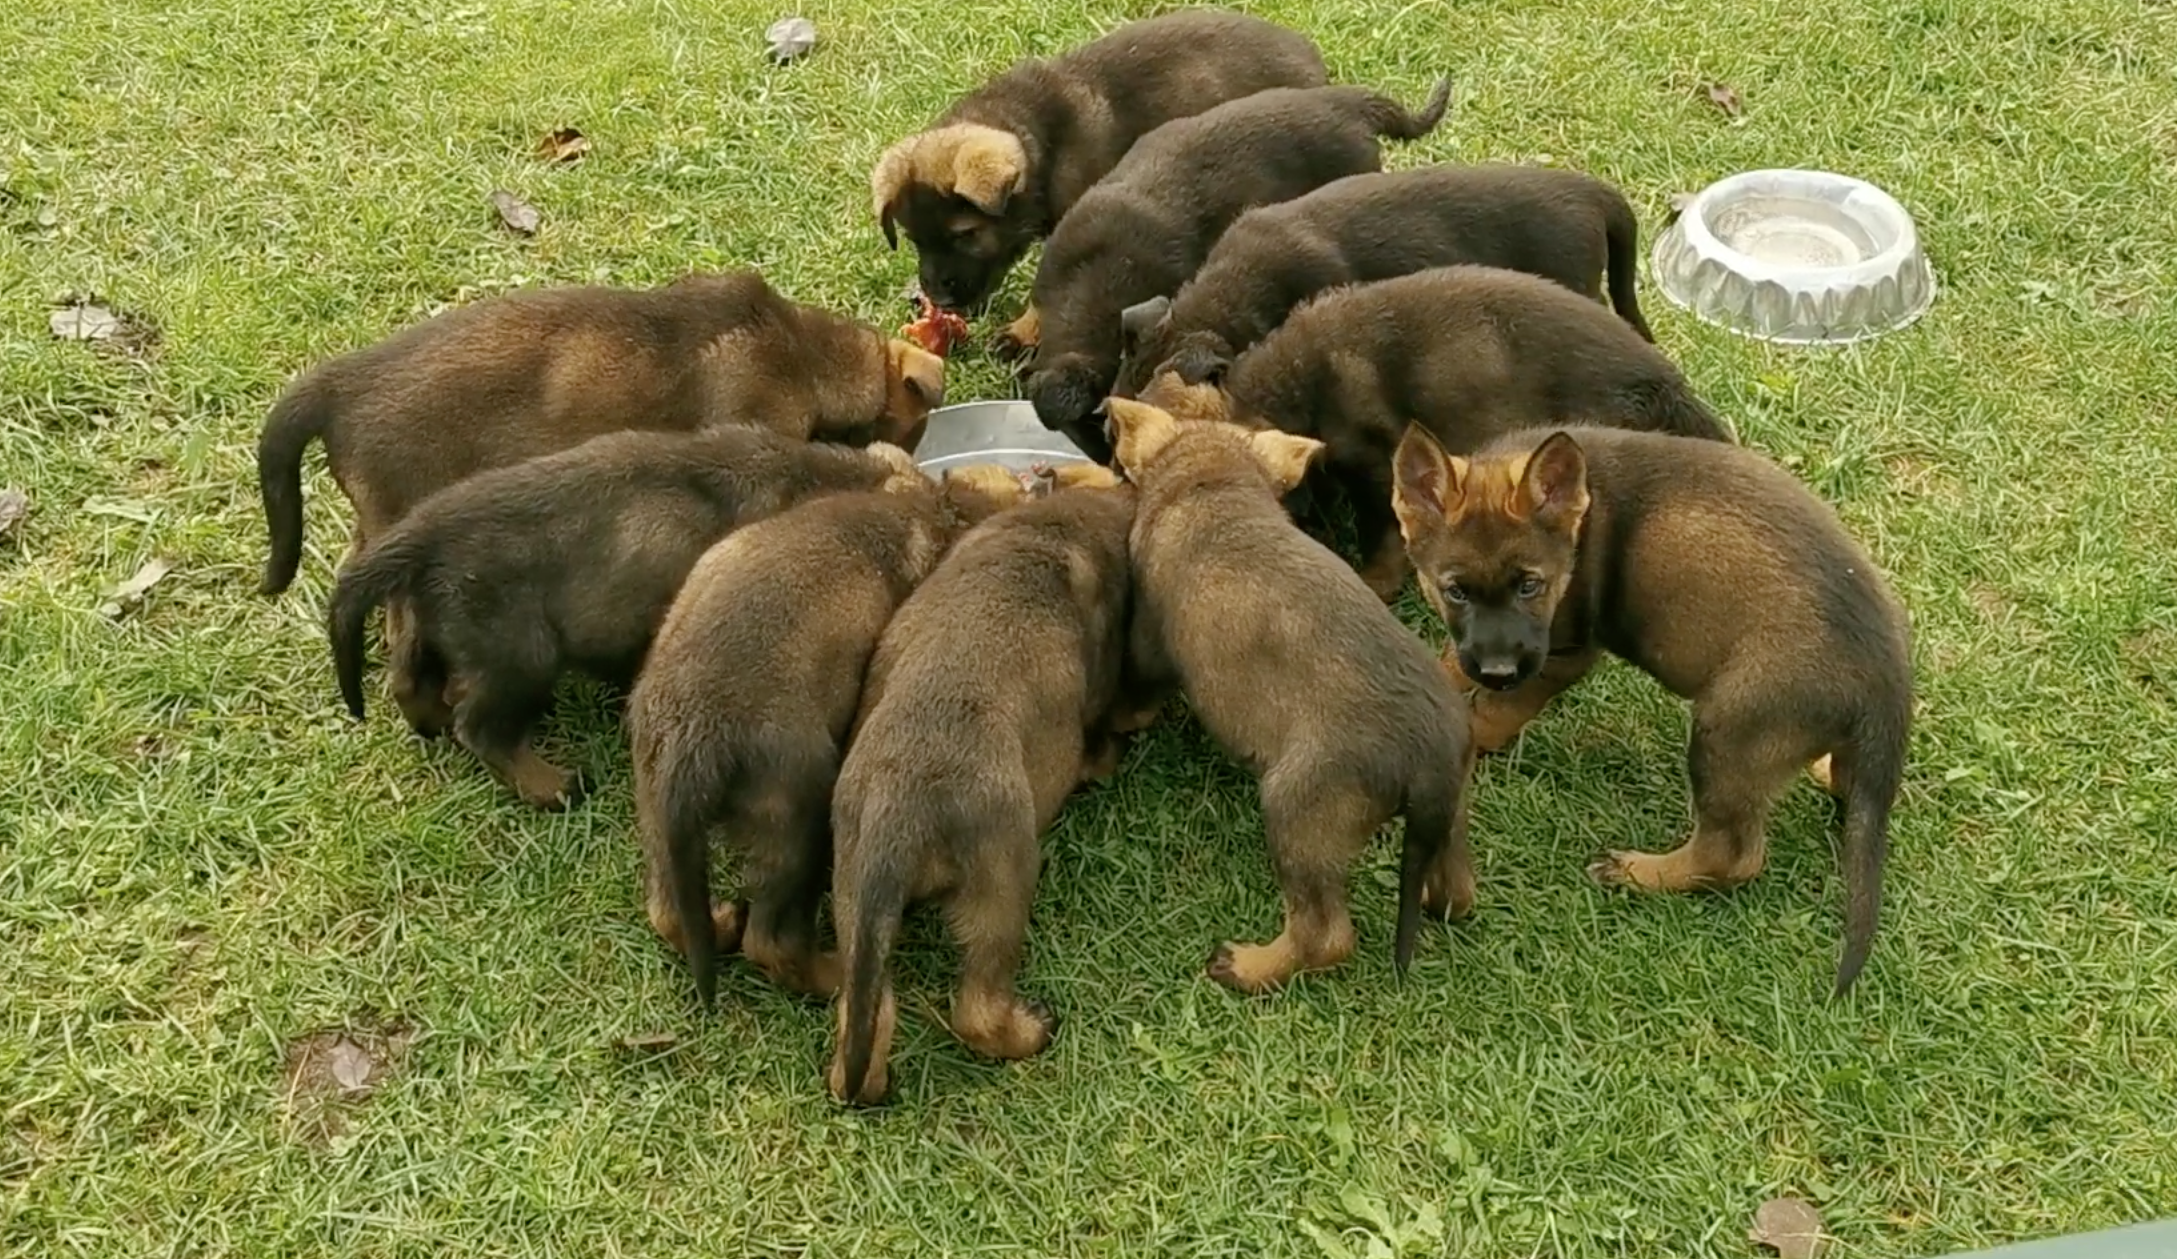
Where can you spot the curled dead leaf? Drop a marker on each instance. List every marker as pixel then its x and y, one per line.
pixel 563 145
pixel 1790 1227
pixel 129 595
pixel 788 38
pixel 14 505
pixel 1726 98
pixel 647 1042
pixel 84 322
pixel 1678 203
pixel 518 215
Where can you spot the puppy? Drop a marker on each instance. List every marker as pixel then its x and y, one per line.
pixel 999 169
pixel 990 698
pixel 1560 225
pixel 570 559
pixel 744 702
pixel 1469 352
pixel 1142 232
pixel 529 373
pixel 1302 675
pixel 1714 571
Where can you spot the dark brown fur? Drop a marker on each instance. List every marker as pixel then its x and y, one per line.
pixel 1718 574
pixel 1004 164
pixel 1142 232
pixel 1468 352
pixel 742 710
pixel 568 560
pixel 1561 225
pixel 1302 676
pixel 990 698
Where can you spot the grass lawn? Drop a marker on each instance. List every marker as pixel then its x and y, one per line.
pixel 202 861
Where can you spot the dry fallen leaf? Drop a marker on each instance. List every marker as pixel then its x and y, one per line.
pixel 563 145
pixel 84 322
pixel 647 1042
pixel 14 505
pixel 1790 1227
pixel 129 595
pixel 516 213
pixel 790 37
pixel 1679 202
pixel 1725 98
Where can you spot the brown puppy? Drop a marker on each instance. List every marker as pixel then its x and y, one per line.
pixel 1302 675
pixel 1560 225
pixel 529 373
pixel 1001 167
pixel 1468 352
pixel 743 705
pixel 570 559
pixel 990 698
pixel 1714 571
pixel 1142 232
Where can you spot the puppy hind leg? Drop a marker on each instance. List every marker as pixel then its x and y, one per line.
pixel 415 673
pixel 988 917
pixel 1737 765
pixel 1314 835
pixel 789 869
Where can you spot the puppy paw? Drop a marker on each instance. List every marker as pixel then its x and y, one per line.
pixel 1447 897
pixel 875 1087
pixel 1009 1031
pixel 728 920
pixel 1245 968
pixel 1824 774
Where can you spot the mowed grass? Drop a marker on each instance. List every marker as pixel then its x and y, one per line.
pixel 202 860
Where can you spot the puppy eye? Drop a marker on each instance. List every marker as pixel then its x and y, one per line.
pixel 1530 586
pixel 1454 593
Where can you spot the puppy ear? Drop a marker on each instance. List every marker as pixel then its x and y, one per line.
pixel 1142 432
pixel 1285 456
pixel 1426 483
pixel 887 184
pixel 988 167
pixel 920 373
pixel 1200 365
pixel 1554 484
pixel 1137 321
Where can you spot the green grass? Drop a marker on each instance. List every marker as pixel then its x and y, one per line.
pixel 202 860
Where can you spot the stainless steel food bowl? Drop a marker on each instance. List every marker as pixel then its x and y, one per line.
pixel 1803 257
pixel 1003 432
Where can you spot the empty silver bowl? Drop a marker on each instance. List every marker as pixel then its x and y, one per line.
pixel 1803 257
pixel 1004 432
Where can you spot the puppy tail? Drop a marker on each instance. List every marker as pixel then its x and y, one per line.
pixel 693 792
pixel 1391 119
pixel 364 583
pixel 1621 239
pixel 1431 818
pixel 869 895
pixel 1871 772
pixel 301 416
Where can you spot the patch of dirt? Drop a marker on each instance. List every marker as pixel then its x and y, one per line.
pixel 327 1073
pixel 1921 478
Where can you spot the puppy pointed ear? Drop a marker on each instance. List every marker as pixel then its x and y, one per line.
pixel 988 168
pixel 920 373
pixel 1137 321
pixel 1142 431
pixel 1284 456
pixel 1426 483
pixel 1554 484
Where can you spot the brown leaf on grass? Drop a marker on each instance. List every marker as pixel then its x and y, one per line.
pixel 788 38
pixel 647 1042
pixel 85 318
pixel 129 595
pixel 518 215
pixel 1790 1227
pixel 14 505
pixel 1726 98
pixel 563 145
pixel 328 1069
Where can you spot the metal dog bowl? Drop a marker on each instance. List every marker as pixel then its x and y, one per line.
pixel 1802 257
pixel 1005 433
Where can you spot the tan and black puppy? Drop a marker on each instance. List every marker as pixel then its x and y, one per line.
pixel 744 703
pixel 529 373
pixel 1302 675
pixel 1470 353
pixel 568 560
pixel 1561 225
pixel 1142 232
pixel 992 695
pixel 1005 163
pixel 1718 574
